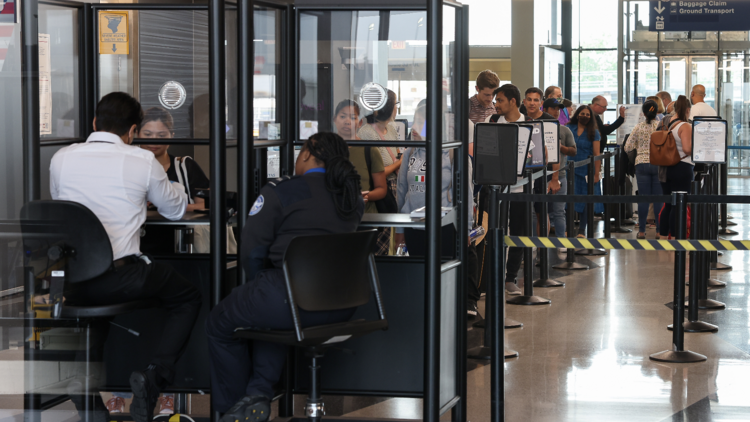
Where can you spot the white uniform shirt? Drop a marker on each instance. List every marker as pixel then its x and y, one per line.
pixel 502 119
pixel 114 180
pixel 702 109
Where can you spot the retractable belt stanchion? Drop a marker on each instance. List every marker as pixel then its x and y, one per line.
pixel 693 324
pixel 570 259
pixel 544 280
pixel 704 261
pixel 497 280
pixel 678 354
pixel 617 224
pixel 704 267
pixel 605 191
pixel 724 191
pixel 714 227
pixel 528 297
pixel 590 212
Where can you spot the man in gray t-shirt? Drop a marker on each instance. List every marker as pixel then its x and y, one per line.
pixel 558 185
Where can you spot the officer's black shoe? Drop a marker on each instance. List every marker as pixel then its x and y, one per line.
pixel 145 386
pixel 249 409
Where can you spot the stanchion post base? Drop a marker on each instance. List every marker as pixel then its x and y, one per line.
pixel 512 323
pixel 509 323
pixel 591 252
pixel 528 300
pixel 685 356
pixel 485 353
pixel 570 266
pixel 718 266
pixel 710 304
pixel 727 232
pixel 548 282
pixel 480 352
pixel 716 284
pixel 697 327
pixel 619 229
pixel 731 223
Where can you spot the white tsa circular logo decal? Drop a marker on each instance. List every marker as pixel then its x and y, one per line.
pixel 257 206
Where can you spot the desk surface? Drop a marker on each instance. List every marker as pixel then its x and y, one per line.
pixel 401 220
pixel 153 218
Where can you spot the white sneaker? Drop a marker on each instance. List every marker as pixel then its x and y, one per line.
pixel 512 289
pixel 562 250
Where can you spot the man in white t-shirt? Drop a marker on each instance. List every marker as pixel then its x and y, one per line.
pixel 700 108
pixel 507 100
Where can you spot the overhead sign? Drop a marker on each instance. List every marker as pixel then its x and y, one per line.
pixel 731 15
pixel 113 33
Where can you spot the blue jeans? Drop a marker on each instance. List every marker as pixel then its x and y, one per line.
pixel 557 214
pixel 647 175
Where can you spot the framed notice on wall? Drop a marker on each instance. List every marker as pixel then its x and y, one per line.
pixel 709 141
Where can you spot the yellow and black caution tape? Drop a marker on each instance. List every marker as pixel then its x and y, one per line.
pixel 628 244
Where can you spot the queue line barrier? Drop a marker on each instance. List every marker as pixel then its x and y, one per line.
pixel 627 244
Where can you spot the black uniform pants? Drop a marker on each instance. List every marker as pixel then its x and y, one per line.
pixel 139 281
pixel 517 217
pixel 240 367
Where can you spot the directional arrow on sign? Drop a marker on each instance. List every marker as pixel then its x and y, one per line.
pixel 114 47
pixel 659 9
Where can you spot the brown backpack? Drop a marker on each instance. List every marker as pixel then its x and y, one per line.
pixel 663 148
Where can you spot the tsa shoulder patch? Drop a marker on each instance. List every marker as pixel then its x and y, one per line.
pixel 258 205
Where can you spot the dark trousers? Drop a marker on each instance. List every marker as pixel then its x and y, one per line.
pixel 139 281
pixel 679 178
pixel 241 367
pixel 517 217
pixel 416 243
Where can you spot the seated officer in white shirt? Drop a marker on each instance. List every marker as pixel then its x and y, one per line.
pixel 115 180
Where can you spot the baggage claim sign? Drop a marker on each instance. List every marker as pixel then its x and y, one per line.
pixel 699 15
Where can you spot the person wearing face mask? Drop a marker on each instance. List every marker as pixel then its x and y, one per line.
pixel 587 143
pixel 115 180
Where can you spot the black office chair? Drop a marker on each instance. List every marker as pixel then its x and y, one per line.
pixel 326 273
pixel 67 237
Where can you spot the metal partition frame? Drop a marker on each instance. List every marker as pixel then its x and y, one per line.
pixel 434 268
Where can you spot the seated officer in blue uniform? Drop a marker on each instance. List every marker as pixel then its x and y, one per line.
pixel 324 197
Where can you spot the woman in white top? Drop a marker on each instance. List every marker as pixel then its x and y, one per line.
pixel 646 173
pixel 380 127
pixel 680 175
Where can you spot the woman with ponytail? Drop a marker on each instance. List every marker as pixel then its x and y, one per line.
pixel 324 197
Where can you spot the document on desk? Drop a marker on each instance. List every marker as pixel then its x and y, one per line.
pixel 709 141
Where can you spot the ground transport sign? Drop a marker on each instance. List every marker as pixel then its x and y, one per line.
pixel 731 15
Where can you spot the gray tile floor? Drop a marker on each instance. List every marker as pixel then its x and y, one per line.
pixel 585 357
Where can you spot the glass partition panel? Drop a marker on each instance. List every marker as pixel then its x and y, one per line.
pixel 59 83
pixel 267 73
pixel 703 72
pixel 594 73
pixel 341 51
pixel 449 63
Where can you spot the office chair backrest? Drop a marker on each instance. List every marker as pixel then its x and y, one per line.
pixel 331 271
pixel 46 224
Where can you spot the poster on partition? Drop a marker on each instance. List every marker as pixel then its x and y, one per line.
pixel 709 141
pixel 536 146
pixel 524 154
pixel 552 141
pixel 633 116
pixel 45 86
pixel 114 32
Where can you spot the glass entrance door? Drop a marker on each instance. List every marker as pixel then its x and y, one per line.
pixel 674 75
pixel 734 106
